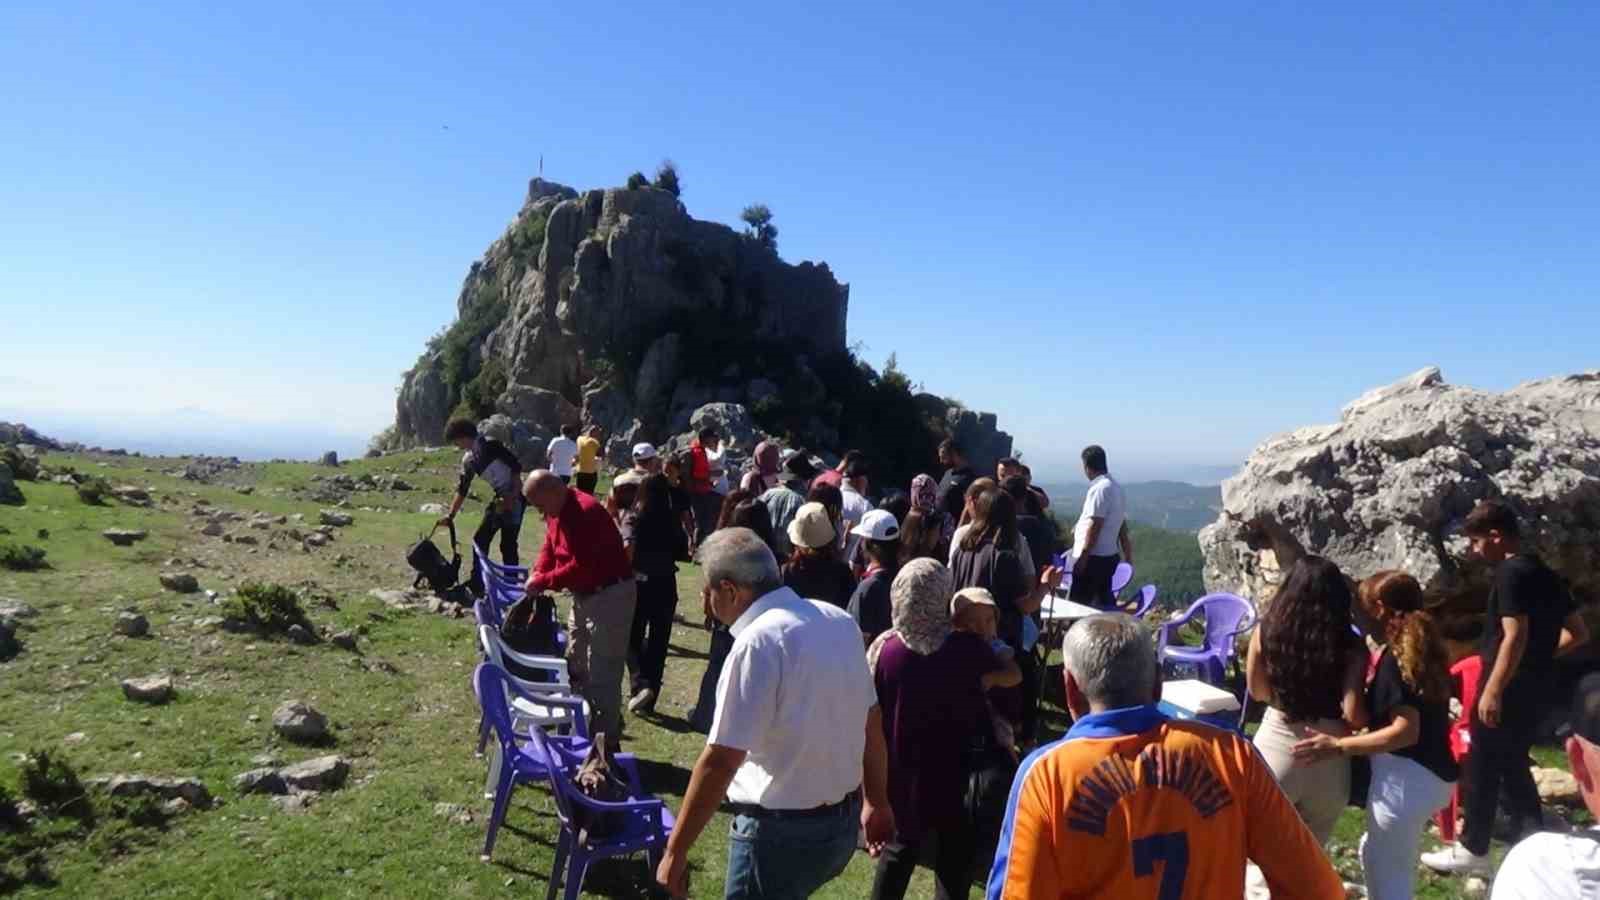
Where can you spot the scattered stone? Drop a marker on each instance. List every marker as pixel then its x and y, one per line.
pixel 316 539
pixel 192 790
pixel 131 495
pixel 246 539
pixel 322 773
pixel 212 529
pixel 124 537
pixel 294 803
pixel 344 640
pixel 431 509
pixel 131 624
pixel 300 722
pixel 300 634
pixel 246 489
pixel 1557 786
pixel 181 582
pixel 1475 887
pixel 261 524
pixel 454 812
pixel 208 623
pixel 77 737
pixel 177 806
pixel 260 781
pixel 155 689
pixel 379 665
pixel 335 518
pixel 266 760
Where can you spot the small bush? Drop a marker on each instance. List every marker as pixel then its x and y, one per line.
pixel 53 784
pixel 94 491
pixel 270 608
pixel 637 180
pixel 21 557
pixel 667 178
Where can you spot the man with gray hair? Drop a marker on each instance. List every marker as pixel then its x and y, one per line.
pixel 1133 804
pixel 797 742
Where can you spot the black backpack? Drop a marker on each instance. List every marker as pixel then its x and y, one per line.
pixel 530 627
pixel 431 567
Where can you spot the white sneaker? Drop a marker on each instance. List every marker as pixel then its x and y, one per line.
pixel 1457 860
pixel 643 701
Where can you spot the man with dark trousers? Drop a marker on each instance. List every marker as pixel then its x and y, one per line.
pixel 1530 621
pixel 492 461
pixel 1100 540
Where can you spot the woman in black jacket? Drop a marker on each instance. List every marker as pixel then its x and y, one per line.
pixel 655 541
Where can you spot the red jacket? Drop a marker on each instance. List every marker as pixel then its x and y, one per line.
pixel 699 469
pixel 582 550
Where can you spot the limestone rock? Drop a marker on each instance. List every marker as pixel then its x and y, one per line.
pixel 731 420
pixel 316 539
pixel 455 813
pixel 212 529
pixel 124 537
pixel 335 518
pixel 344 640
pixel 323 773
pixel 431 509
pixel 131 495
pixel 300 722
pixel 295 803
pixel 131 624
pixel 181 582
pixel 1557 786
pixel 1388 485
pixel 191 790
pixel 299 634
pixel 10 494
pixel 260 781
pixel 156 689
pixel 22 460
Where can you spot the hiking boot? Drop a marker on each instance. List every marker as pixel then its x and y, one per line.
pixel 644 701
pixel 1458 860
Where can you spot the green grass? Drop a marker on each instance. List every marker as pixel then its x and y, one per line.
pixel 409 733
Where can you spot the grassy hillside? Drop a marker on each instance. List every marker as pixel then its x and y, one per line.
pixel 1164 504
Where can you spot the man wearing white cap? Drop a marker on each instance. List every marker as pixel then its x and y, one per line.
pixel 879 534
pixel 646 461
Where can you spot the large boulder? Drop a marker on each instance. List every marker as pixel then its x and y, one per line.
pixel 22 459
pixel 731 420
pixel 1387 486
pixel 10 494
pixel 538 406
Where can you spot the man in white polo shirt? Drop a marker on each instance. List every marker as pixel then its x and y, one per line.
pixel 563 453
pixel 1100 539
pixel 797 743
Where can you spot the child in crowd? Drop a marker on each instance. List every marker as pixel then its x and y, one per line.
pixel 973 611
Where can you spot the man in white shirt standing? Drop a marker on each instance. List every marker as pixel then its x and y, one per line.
pixel 1549 866
pixel 797 743
pixel 1100 539
pixel 563 453
pixel 856 506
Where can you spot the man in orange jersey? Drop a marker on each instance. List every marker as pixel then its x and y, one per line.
pixel 1132 804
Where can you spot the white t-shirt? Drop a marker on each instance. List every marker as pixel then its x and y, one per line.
pixel 794 695
pixel 1548 866
pixel 1104 501
pixel 855 508
pixel 563 454
pixel 719 475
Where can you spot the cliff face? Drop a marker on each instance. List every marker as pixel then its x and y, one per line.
pixel 616 307
pixel 1386 487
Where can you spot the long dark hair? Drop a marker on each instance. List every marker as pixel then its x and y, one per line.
pixel 654 499
pixel 831 498
pixel 730 503
pixel 919 536
pixel 753 514
pixel 1410 631
pixel 994 520
pixel 1306 640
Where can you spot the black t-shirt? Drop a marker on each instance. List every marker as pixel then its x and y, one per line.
pixel 1000 573
pixel 870 604
pixel 826 579
pixel 1041 539
pixel 682 502
pixel 1525 586
pixel 1388 692
pixel 953 490
pixel 658 543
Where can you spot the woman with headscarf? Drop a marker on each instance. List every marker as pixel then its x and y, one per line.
pixel 931 683
pixel 765 469
pixel 925 499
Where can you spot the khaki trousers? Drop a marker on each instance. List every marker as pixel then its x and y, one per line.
pixel 597 648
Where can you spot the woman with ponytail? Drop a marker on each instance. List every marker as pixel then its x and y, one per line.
pixel 1408 704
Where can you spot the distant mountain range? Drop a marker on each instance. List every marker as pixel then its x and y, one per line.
pixel 1176 505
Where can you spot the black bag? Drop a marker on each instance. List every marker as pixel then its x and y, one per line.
pixel 530 627
pixel 430 564
pixel 599 778
pixel 989 769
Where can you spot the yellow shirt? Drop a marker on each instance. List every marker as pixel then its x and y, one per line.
pixel 588 455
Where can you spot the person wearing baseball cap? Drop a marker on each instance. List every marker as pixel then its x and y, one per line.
pixel 646 461
pixel 784 501
pixel 879 534
pixel 1550 866
pixel 815 570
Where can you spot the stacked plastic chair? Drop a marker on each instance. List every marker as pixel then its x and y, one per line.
pixel 1226 617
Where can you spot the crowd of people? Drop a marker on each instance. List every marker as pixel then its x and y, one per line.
pixel 873 675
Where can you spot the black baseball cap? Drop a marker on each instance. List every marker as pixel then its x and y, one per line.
pixel 1586 708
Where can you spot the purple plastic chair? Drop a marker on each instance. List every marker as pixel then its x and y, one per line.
pixel 520 763
pixel 1147 602
pixel 502 585
pixel 643 823
pixel 1227 616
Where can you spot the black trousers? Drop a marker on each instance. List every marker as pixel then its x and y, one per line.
pixel 1032 680
pixel 508 525
pixel 652 628
pixel 1498 766
pixel 707 507
pixel 705 706
pixel 585 481
pixel 1093 588
pixel 953 846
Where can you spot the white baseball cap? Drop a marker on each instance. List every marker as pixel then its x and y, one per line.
pixel 877 525
pixel 644 451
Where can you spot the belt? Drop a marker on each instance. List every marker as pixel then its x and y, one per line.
pixel 757 811
pixel 610 584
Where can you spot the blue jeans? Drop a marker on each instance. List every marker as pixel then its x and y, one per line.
pixel 779 859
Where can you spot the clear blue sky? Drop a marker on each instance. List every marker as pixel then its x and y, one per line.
pixel 1169 231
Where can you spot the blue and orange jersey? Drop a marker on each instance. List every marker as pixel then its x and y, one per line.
pixel 1132 804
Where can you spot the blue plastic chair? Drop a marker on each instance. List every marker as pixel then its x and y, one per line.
pixel 520 763
pixel 503 585
pixel 1227 616
pixel 643 823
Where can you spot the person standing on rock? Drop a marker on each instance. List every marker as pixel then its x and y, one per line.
pixel 587 466
pixel 496 464
pixel 1101 532
pixel 583 554
pixel 563 453
pixel 702 481
pixel 1530 621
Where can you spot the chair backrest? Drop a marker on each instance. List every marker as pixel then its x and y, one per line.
pixel 489 684
pixel 561 786
pixel 1147 601
pixel 1226 616
pixel 494 653
pixel 485 613
pixel 1121 577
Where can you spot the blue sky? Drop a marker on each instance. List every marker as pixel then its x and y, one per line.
pixel 1171 231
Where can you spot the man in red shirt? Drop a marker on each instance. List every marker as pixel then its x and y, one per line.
pixel 583 554
pixel 707 502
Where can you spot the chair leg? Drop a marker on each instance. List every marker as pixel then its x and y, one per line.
pixel 497 815
pixel 576 869
pixel 483 735
pixel 563 847
pixel 493 777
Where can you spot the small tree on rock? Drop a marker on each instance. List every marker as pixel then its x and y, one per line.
pixel 667 177
pixel 637 180
pixel 758 225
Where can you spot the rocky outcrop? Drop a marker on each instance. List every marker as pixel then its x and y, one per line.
pixel 1388 485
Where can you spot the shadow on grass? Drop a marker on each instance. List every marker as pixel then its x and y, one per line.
pixel 686 653
pixel 663 777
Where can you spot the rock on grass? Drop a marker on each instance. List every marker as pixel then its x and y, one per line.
pixel 124 537
pixel 181 582
pixel 300 722
pixel 155 689
pixel 322 773
pixel 131 624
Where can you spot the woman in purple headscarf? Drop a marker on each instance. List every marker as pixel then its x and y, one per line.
pixel 925 497
pixel 764 471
